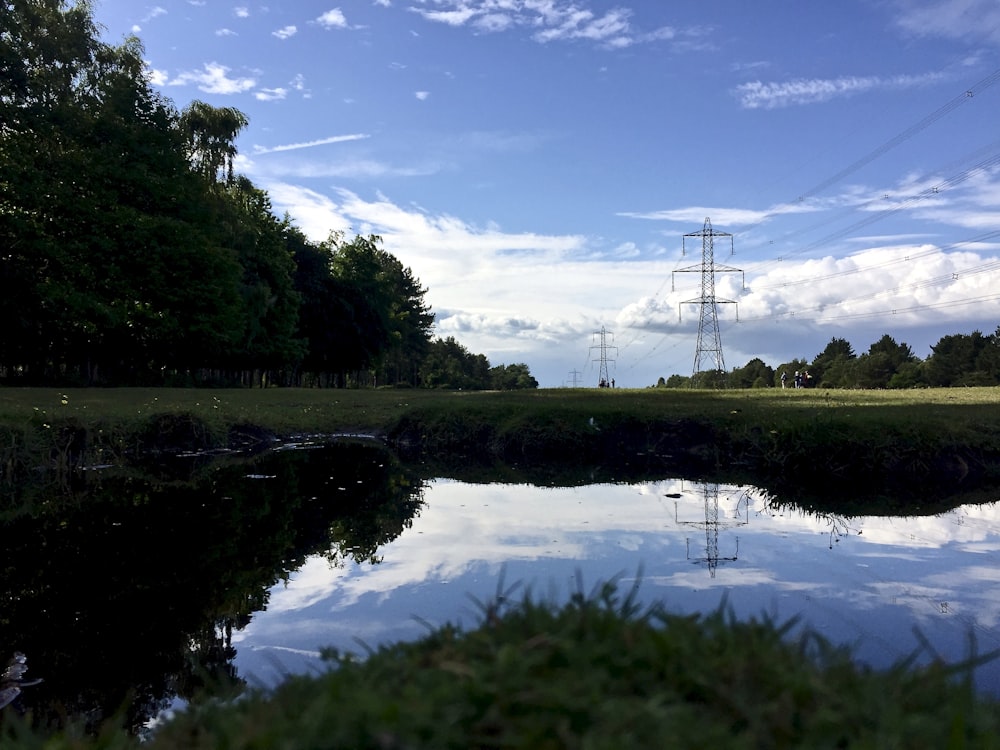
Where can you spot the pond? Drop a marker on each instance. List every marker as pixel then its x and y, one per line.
pixel 155 585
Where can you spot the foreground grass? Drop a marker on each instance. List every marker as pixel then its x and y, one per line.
pixel 594 673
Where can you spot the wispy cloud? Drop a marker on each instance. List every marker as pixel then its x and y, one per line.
pixel 760 95
pixel 270 95
pixel 422 95
pixel 953 19
pixel 285 33
pixel 310 144
pixel 241 12
pixel 213 79
pixel 548 20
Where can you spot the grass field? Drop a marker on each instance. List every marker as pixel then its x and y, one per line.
pixel 294 410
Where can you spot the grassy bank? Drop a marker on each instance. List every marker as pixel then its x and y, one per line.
pixel 929 441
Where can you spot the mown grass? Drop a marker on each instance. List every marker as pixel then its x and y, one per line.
pixel 289 411
pixel 595 672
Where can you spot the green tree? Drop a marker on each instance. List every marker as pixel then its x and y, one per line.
pixel 108 272
pixel 511 377
pixel 831 367
pixel 450 365
pixel 210 134
pixel 247 226
pixel 884 359
pixel 989 358
pixel 754 374
pixel 955 360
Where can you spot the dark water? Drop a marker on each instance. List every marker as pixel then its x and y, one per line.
pixel 141 589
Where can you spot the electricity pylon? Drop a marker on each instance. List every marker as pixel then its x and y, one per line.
pixel 603 379
pixel 709 341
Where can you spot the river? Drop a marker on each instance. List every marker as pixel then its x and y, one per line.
pixel 154 585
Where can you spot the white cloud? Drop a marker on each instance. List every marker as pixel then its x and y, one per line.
pixel 548 20
pixel 285 33
pixel 213 79
pixel 241 12
pixel 522 320
pixel 422 95
pixel 270 95
pixel 225 32
pixel 760 95
pixel 311 144
pixel 333 19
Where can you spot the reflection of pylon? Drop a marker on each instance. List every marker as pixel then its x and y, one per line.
pixel 712 525
pixel 603 378
pixel 709 341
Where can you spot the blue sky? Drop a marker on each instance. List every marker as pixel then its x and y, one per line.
pixel 536 163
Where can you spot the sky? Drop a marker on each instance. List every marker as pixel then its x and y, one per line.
pixel 559 174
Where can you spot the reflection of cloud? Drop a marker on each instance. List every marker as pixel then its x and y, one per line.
pixel 919 569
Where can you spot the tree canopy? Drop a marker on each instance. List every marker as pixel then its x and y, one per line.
pixel 132 253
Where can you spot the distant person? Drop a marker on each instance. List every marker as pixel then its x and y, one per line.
pixel 784 377
pixel 612 382
pixel 807 380
pixel 798 379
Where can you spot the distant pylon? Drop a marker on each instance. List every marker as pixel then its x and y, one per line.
pixel 575 374
pixel 603 379
pixel 709 347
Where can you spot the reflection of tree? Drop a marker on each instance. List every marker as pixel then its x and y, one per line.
pixel 840 526
pixel 713 523
pixel 130 590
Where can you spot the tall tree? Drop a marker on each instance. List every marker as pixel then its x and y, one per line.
pixel 831 367
pixel 884 359
pixel 954 359
pixel 211 138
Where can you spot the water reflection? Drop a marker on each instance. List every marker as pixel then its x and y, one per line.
pixel 130 589
pixel 870 581
pixel 139 590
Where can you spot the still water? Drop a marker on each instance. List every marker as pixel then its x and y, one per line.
pixel 869 581
pixel 146 587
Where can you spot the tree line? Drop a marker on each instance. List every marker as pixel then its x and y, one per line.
pixel 131 253
pixel 956 360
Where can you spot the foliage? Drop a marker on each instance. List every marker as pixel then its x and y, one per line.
pixel 599 671
pixel 957 360
pixel 135 255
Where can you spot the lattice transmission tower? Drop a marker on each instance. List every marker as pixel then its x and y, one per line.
pixel 709 347
pixel 603 379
